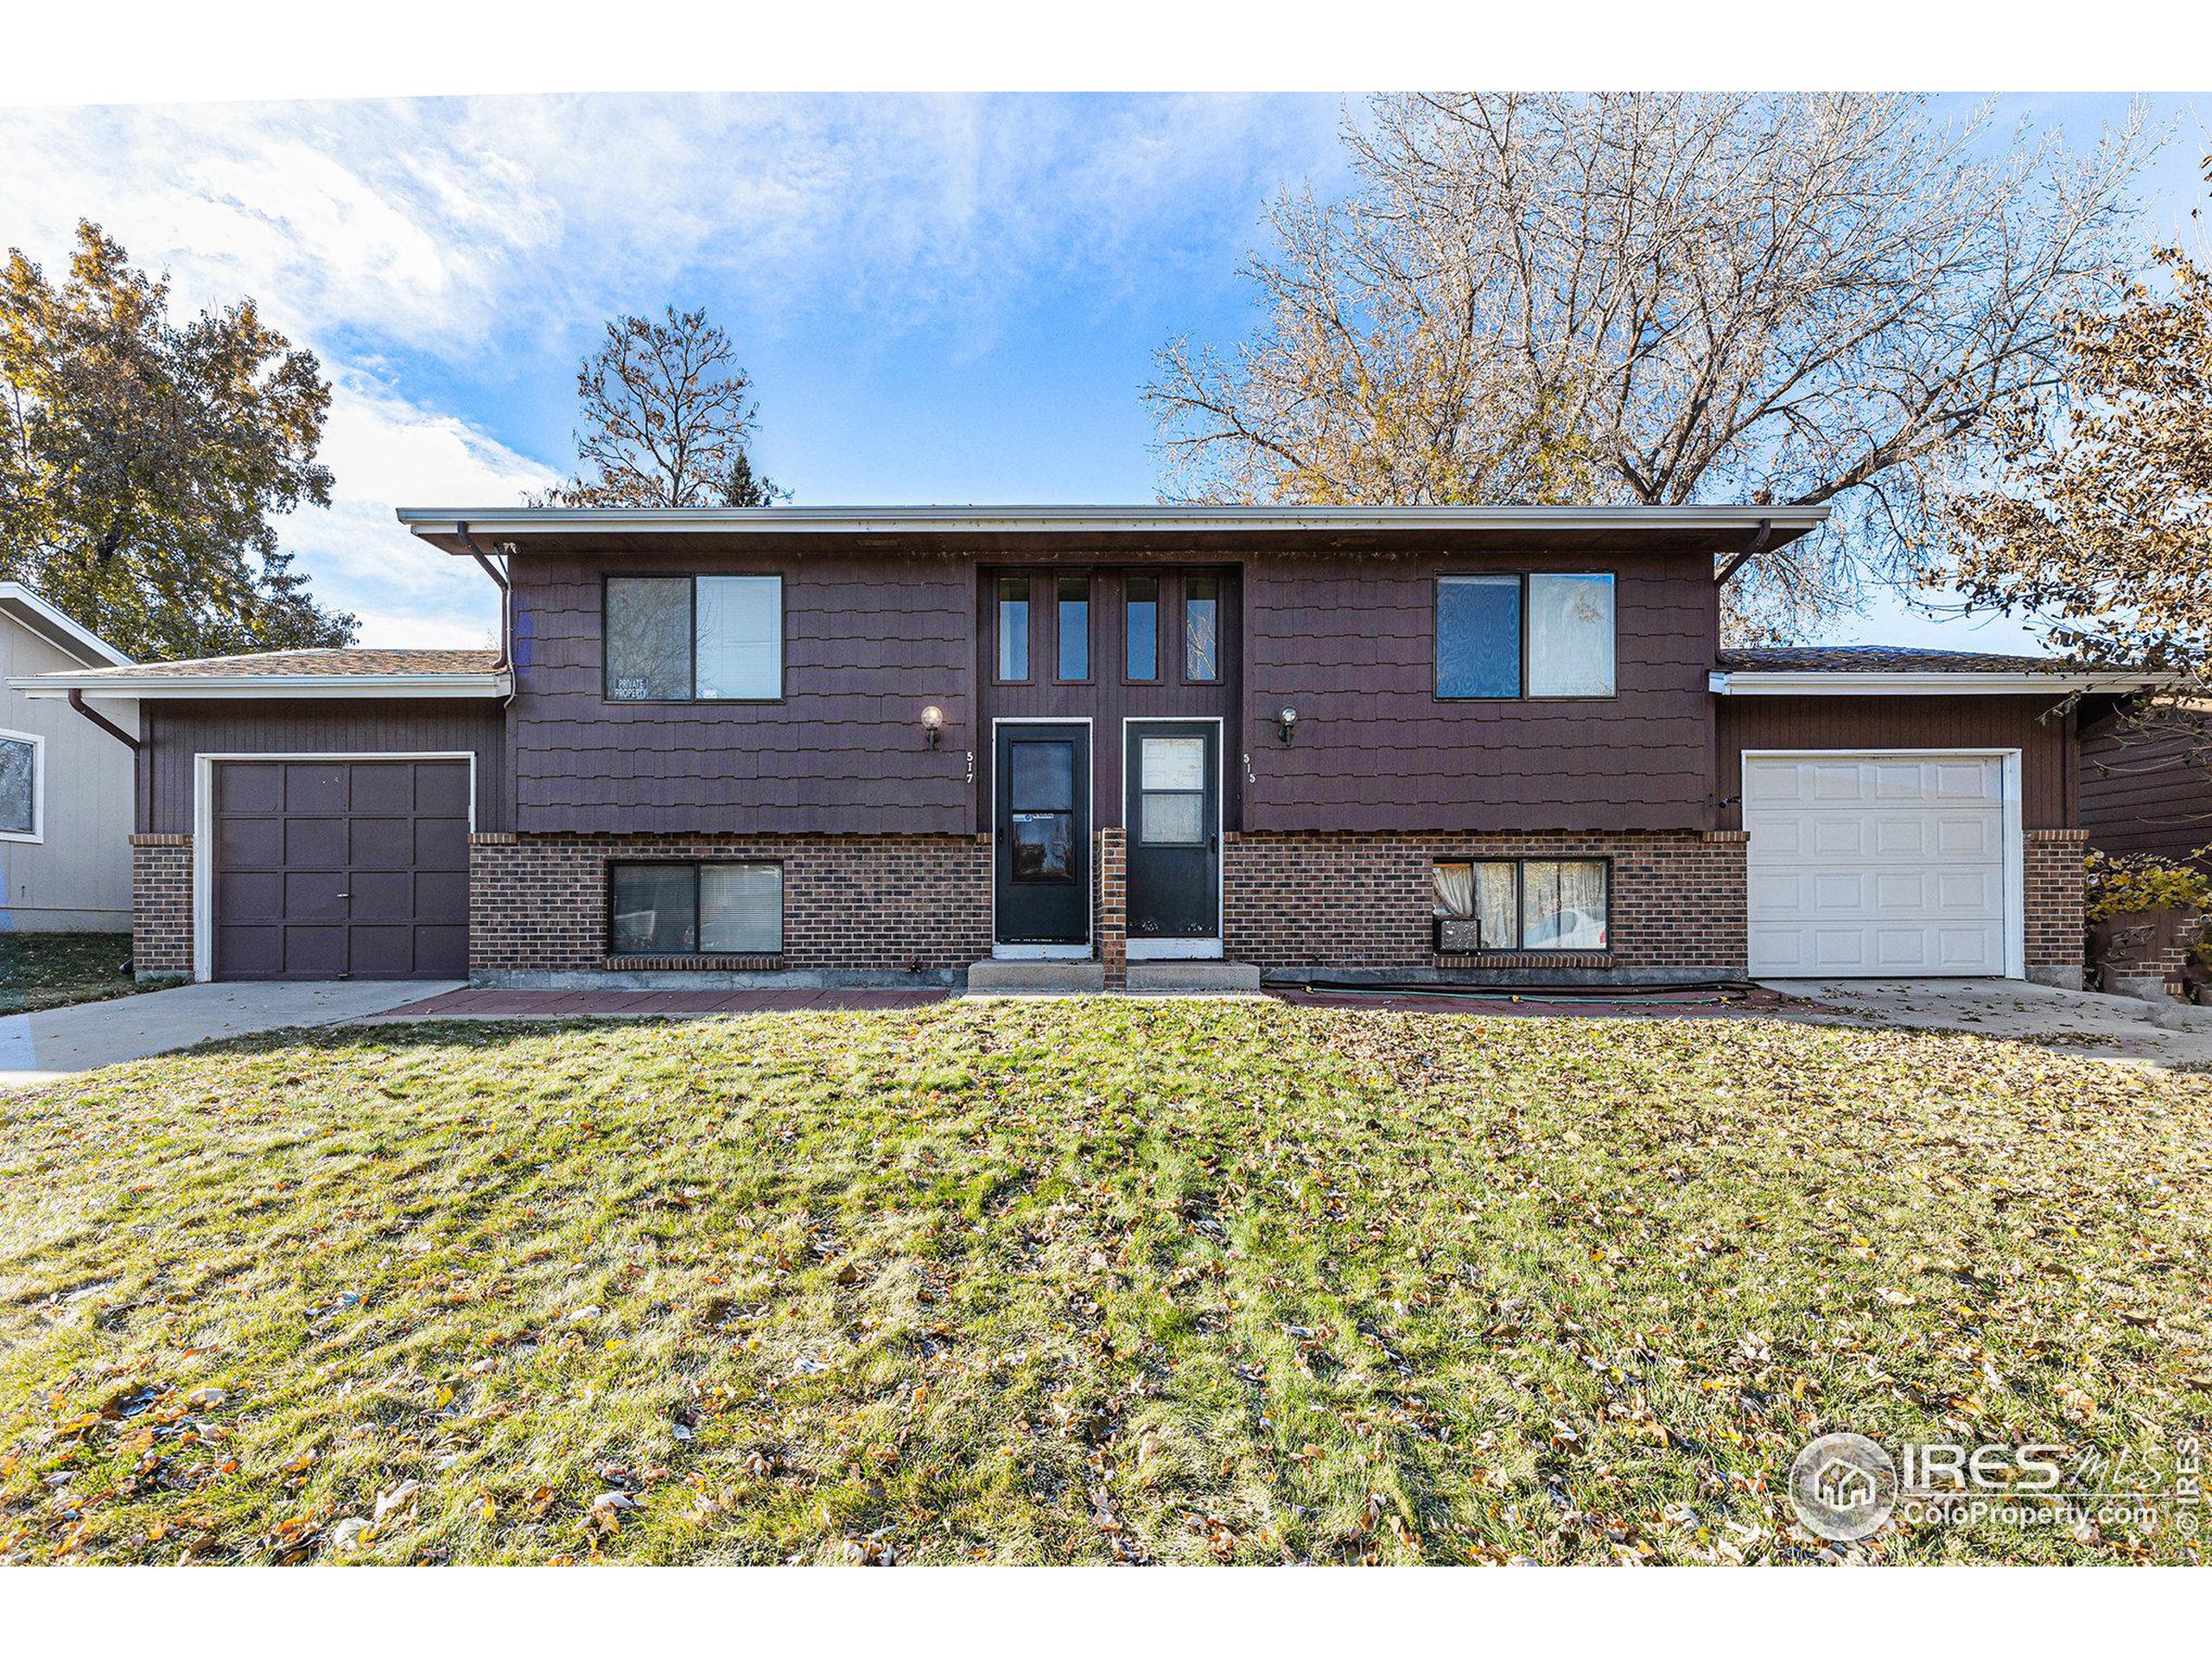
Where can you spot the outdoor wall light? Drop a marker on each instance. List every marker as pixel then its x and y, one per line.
pixel 1287 723
pixel 933 723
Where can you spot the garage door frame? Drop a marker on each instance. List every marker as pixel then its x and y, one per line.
pixel 203 826
pixel 2015 841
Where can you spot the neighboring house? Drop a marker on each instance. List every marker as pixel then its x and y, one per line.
pixel 2146 778
pixel 65 785
pixel 872 744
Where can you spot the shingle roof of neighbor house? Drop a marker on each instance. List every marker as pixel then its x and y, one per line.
pixel 351 661
pixel 366 672
pixel 1880 659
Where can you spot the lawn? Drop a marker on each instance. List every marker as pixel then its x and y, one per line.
pixel 48 971
pixel 1087 1280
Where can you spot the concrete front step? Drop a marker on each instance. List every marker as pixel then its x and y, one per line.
pixel 1184 978
pixel 1002 978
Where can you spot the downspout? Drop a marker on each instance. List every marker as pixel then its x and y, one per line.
pixel 76 701
pixel 506 597
pixel 1749 551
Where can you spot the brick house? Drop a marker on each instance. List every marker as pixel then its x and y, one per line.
pixel 882 744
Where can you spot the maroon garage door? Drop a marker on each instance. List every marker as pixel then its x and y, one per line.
pixel 329 869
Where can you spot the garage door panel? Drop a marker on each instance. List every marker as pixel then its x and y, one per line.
pixel 314 786
pixel 441 843
pixel 386 787
pixel 382 843
pixel 442 952
pixel 442 790
pixel 382 952
pixel 386 895
pixel 314 896
pixel 249 788
pixel 249 952
pixel 1890 864
pixel 325 869
pixel 313 951
pixel 245 843
pixel 315 843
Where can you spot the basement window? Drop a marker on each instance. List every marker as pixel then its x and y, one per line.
pixel 695 910
pixel 1529 904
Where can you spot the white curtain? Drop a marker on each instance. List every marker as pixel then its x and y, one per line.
pixel 1571 636
pixel 741 637
pixel 1455 888
pixel 1567 905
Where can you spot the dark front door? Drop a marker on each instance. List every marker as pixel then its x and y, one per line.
pixel 1043 819
pixel 1174 812
pixel 332 869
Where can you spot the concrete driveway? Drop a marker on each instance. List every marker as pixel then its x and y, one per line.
pixel 58 1042
pixel 2084 1023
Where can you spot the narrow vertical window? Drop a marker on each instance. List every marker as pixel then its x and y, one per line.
pixel 740 630
pixel 1075 627
pixel 1202 628
pixel 1014 627
pixel 648 629
pixel 1142 598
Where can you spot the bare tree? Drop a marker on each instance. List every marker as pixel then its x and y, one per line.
pixel 1646 298
pixel 666 421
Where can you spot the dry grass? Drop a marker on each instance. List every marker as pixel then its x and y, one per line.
pixel 1078 1281
pixel 49 970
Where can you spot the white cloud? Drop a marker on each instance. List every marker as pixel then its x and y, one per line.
pixel 386 453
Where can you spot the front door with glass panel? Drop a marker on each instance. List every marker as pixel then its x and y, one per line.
pixel 1174 814
pixel 1043 835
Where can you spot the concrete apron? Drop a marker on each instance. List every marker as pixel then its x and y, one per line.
pixel 57 1044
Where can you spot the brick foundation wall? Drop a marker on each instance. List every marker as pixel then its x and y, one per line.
pixel 2057 933
pixel 160 904
pixel 884 903
pixel 1363 901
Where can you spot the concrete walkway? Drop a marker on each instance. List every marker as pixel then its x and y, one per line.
pixel 2083 1023
pixel 58 1042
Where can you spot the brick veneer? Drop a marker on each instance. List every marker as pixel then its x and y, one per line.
pixel 1364 901
pixel 877 904
pixel 161 906
pixel 1112 930
pixel 2058 934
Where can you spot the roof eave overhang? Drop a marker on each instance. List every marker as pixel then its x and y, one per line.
pixel 447 524
pixel 269 686
pixel 1949 683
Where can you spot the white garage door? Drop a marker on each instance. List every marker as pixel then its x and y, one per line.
pixel 1876 865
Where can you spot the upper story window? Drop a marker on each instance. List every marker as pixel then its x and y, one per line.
pixel 695 639
pixel 1543 635
pixel 1141 604
pixel 1014 627
pixel 1075 627
pixel 21 761
pixel 1202 629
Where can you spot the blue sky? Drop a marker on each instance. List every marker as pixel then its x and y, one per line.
pixel 940 298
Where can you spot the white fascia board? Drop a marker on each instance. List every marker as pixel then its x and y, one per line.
pixel 59 629
pixel 493 522
pixel 1951 683
pixel 269 686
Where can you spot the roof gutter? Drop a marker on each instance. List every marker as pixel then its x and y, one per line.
pixel 1815 683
